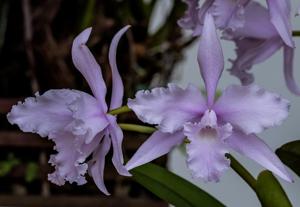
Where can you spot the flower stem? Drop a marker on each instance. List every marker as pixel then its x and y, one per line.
pixel 137 128
pixel 242 172
pixel 296 33
pixel 120 110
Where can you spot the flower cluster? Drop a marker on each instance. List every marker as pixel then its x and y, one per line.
pixel 210 126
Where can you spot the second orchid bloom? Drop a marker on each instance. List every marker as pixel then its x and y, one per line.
pixel 213 127
pixel 257 31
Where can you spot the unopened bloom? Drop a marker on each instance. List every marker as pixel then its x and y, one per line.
pixel 258 32
pixel 213 127
pixel 78 122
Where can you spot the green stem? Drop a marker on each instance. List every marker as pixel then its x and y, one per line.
pixel 242 172
pixel 120 110
pixel 137 128
pixel 296 33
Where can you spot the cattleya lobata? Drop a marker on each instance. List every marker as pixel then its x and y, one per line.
pixel 258 32
pixel 83 131
pixel 77 122
pixel 212 127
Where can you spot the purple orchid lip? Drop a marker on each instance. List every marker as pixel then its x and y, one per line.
pixel 77 122
pixel 238 114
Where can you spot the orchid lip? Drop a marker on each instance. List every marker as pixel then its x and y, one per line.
pixel 208 132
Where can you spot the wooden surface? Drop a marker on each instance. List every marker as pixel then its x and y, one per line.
pixel 78 201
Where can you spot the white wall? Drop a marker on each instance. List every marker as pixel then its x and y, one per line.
pixel 231 189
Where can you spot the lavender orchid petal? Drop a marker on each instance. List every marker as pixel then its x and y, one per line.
pixel 69 162
pixel 229 14
pixel 117 84
pixel 190 18
pixel 210 58
pixel 69 118
pixel 89 118
pixel 96 165
pixel 89 68
pixel 194 16
pixel 288 70
pixel 250 108
pixel 157 145
pixel 206 150
pixel 280 18
pixel 161 105
pixel 59 110
pixel 116 135
pixel 44 114
pixel 255 149
pixel 257 24
pixel 252 51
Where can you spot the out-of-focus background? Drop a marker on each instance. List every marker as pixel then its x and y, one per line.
pixel 35 42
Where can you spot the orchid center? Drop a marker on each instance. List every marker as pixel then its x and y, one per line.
pixel 208 123
pixel 208 133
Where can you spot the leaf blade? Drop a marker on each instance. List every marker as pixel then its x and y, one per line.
pixel 270 192
pixel 172 188
pixel 289 154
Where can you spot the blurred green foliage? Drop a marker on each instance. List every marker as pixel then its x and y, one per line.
pixel 6 166
pixel 31 172
pixel 12 162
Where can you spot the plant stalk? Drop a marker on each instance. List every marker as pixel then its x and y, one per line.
pixel 137 128
pixel 120 110
pixel 242 172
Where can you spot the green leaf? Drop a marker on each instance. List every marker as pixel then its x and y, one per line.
pixel 88 15
pixel 31 172
pixel 6 166
pixel 172 188
pixel 270 192
pixel 290 155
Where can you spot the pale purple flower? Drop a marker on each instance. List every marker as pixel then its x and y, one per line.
pixel 258 32
pixel 77 122
pixel 213 127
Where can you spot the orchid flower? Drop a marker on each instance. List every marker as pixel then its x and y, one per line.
pixel 212 127
pixel 258 32
pixel 77 122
